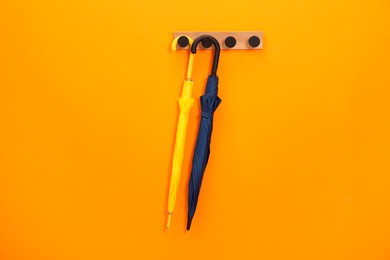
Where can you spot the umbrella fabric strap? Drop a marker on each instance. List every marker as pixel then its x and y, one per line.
pixel 207 114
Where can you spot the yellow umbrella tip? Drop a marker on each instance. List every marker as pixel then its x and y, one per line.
pixel 169 219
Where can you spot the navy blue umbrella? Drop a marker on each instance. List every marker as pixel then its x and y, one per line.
pixel 209 103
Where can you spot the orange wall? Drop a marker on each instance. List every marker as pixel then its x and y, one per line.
pixel 300 153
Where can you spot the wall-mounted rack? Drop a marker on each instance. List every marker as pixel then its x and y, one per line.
pixel 248 40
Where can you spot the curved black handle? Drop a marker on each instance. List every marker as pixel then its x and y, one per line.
pixel 217 50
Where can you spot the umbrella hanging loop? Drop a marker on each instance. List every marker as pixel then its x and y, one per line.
pixel 217 50
pixel 185 40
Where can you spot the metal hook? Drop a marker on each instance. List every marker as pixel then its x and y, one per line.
pixel 217 50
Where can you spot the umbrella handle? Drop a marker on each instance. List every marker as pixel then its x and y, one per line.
pixel 191 58
pixel 217 50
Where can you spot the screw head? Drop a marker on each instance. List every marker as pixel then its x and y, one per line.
pixel 230 42
pixel 207 42
pixel 183 41
pixel 254 41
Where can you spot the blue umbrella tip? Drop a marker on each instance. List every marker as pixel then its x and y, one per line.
pixel 189 221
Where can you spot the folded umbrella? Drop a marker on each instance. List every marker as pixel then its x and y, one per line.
pixel 185 104
pixel 209 103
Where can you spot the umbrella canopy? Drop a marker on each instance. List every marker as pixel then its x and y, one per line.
pixel 185 104
pixel 209 103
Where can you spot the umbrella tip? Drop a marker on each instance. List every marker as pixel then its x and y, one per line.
pixel 169 219
pixel 189 221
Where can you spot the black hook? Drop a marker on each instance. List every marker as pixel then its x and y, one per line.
pixel 183 41
pixel 217 50
pixel 254 41
pixel 230 42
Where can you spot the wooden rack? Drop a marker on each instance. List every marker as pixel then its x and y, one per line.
pixel 247 40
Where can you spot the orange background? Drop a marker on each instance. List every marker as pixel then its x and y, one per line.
pixel 299 167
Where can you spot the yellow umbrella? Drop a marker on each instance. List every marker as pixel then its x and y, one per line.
pixel 185 103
